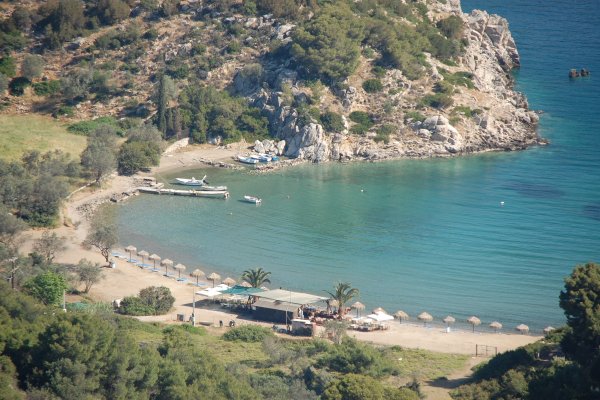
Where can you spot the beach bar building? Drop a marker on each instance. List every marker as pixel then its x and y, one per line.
pixel 282 306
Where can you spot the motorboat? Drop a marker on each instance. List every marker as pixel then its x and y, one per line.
pixel 247 160
pixel 191 182
pixel 212 188
pixel 252 199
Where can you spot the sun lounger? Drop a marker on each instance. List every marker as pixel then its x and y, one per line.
pixel 132 260
pixel 181 279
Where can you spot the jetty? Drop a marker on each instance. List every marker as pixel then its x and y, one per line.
pixel 219 194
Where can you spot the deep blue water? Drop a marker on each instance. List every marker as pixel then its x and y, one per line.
pixel 424 235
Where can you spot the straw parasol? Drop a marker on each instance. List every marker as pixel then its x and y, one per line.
pixel 214 277
pixel 197 274
pixel 522 328
pixel 358 306
pixel 143 254
pixel 425 317
pixel 379 310
pixel 401 315
pixel 549 329
pixel 245 284
pixel 179 268
pixel 449 320
pixel 495 326
pixel 131 249
pixel 166 263
pixel 154 258
pixel 473 320
pixel 229 281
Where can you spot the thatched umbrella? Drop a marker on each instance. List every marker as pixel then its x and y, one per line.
pixel 549 329
pixel 522 328
pixel 143 254
pixel 449 320
pixel 166 263
pixel 179 268
pixel 425 317
pixel 495 326
pixel 358 306
pixel 197 274
pixel 229 281
pixel 131 249
pixel 245 284
pixel 154 258
pixel 379 310
pixel 214 277
pixel 474 321
pixel 401 315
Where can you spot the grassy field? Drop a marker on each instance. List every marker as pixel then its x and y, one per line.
pixel 19 133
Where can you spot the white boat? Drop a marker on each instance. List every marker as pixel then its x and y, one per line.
pixel 212 193
pixel 247 160
pixel 212 188
pixel 252 199
pixel 191 182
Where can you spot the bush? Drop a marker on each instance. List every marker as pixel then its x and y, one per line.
pixel 414 115
pixel 87 127
pixel 46 88
pixel 158 297
pixel 438 100
pixel 17 86
pixel 133 305
pixel 332 122
pixel 363 120
pixel 451 27
pixel 372 86
pixel 7 66
pixel 3 83
pixel 353 357
pixel 64 111
pixel 32 66
pixel 383 133
pixel 248 334
pixel 136 156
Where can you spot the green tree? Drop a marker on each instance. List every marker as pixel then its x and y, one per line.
pixel 360 387
pixel 452 27
pixel 48 245
pixel 159 298
pixel 256 277
pixel 112 11
pixel 372 86
pixel 10 227
pixel 88 273
pixel 47 287
pixel 100 154
pixel 164 93
pixel 332 122
pixel 7 66
pixel 136 156
pixel 103 232
pixel 32 66
pixel 580 301
pixel 343 293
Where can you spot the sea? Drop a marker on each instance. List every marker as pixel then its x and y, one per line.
pixel 491 235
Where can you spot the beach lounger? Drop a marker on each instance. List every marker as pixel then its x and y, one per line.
pixel 132 260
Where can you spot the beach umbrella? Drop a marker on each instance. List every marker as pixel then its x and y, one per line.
pixel 245 284
pixel 229 281
pixel 474 321
pixel 522 328
pixel 143 254
pixel 449 320
pixel 166 263
pixel 179 268
pixel 379 310
pixel 154 258
pixel 358 306
pixel 495 326
pixel 401 315
pixel 214 277
pixel 131 249
pixel 549 329
pixel 425 317
pixel 197 274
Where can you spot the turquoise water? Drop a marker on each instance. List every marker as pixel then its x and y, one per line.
pixel 423 235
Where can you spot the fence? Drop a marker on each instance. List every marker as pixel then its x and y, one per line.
pixel 484 350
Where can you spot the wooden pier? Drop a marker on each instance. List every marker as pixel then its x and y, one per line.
pixel 219 194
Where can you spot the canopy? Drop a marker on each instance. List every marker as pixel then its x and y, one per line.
pixel 291 297
pixel 242 290
pixel 380 317
pixel 212 292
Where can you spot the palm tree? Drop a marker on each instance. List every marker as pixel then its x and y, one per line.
pixel 343 293
pixel 256 277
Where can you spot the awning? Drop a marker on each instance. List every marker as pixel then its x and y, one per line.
pixel 380 317
pixel 275 305
pixel 212 292
pixel 242 290
pixel 291 297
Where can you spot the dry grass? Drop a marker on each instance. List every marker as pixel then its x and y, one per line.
pixel 19 133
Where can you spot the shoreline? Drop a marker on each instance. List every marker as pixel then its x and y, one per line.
pixel 127 279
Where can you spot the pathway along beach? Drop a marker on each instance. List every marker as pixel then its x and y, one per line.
pixel 127 279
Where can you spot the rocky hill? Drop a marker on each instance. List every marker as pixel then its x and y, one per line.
pixel 350 80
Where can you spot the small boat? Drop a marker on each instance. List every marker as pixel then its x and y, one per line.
pixel 191 182
pixel 212 193
pixel 247 160
pixel 252 199
pixel 212 188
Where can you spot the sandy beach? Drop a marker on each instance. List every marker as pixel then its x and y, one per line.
pixel 127 279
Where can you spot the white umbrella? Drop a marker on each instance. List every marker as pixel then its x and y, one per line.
pixel 425 317
pixel 214 277
pixel 358 306
pixel 197 274
pixel 495 326
pixel 379 310
pixel 449 320
pixel 131 249
pixel 166 263
pixel 522 328
pixel 474 321
pixel 179 268
pixel 401 315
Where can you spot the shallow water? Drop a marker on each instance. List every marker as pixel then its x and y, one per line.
pixel 423 235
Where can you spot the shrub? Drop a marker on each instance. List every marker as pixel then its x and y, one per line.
pixel 32 66
pixel 247 333
pixel 451 27
pixel 372 86
pixel 383 133
pixel 136 156
pixel 3 83
pixel 438 100
pixel 46 88
pixel 414 115
pixel 87 127
pixel 354 357
pixel 363 121
pixel 64 111
pixel 158 297
pixel 332 122
pixel 7 66
pixel 17 86
pixel 133 305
